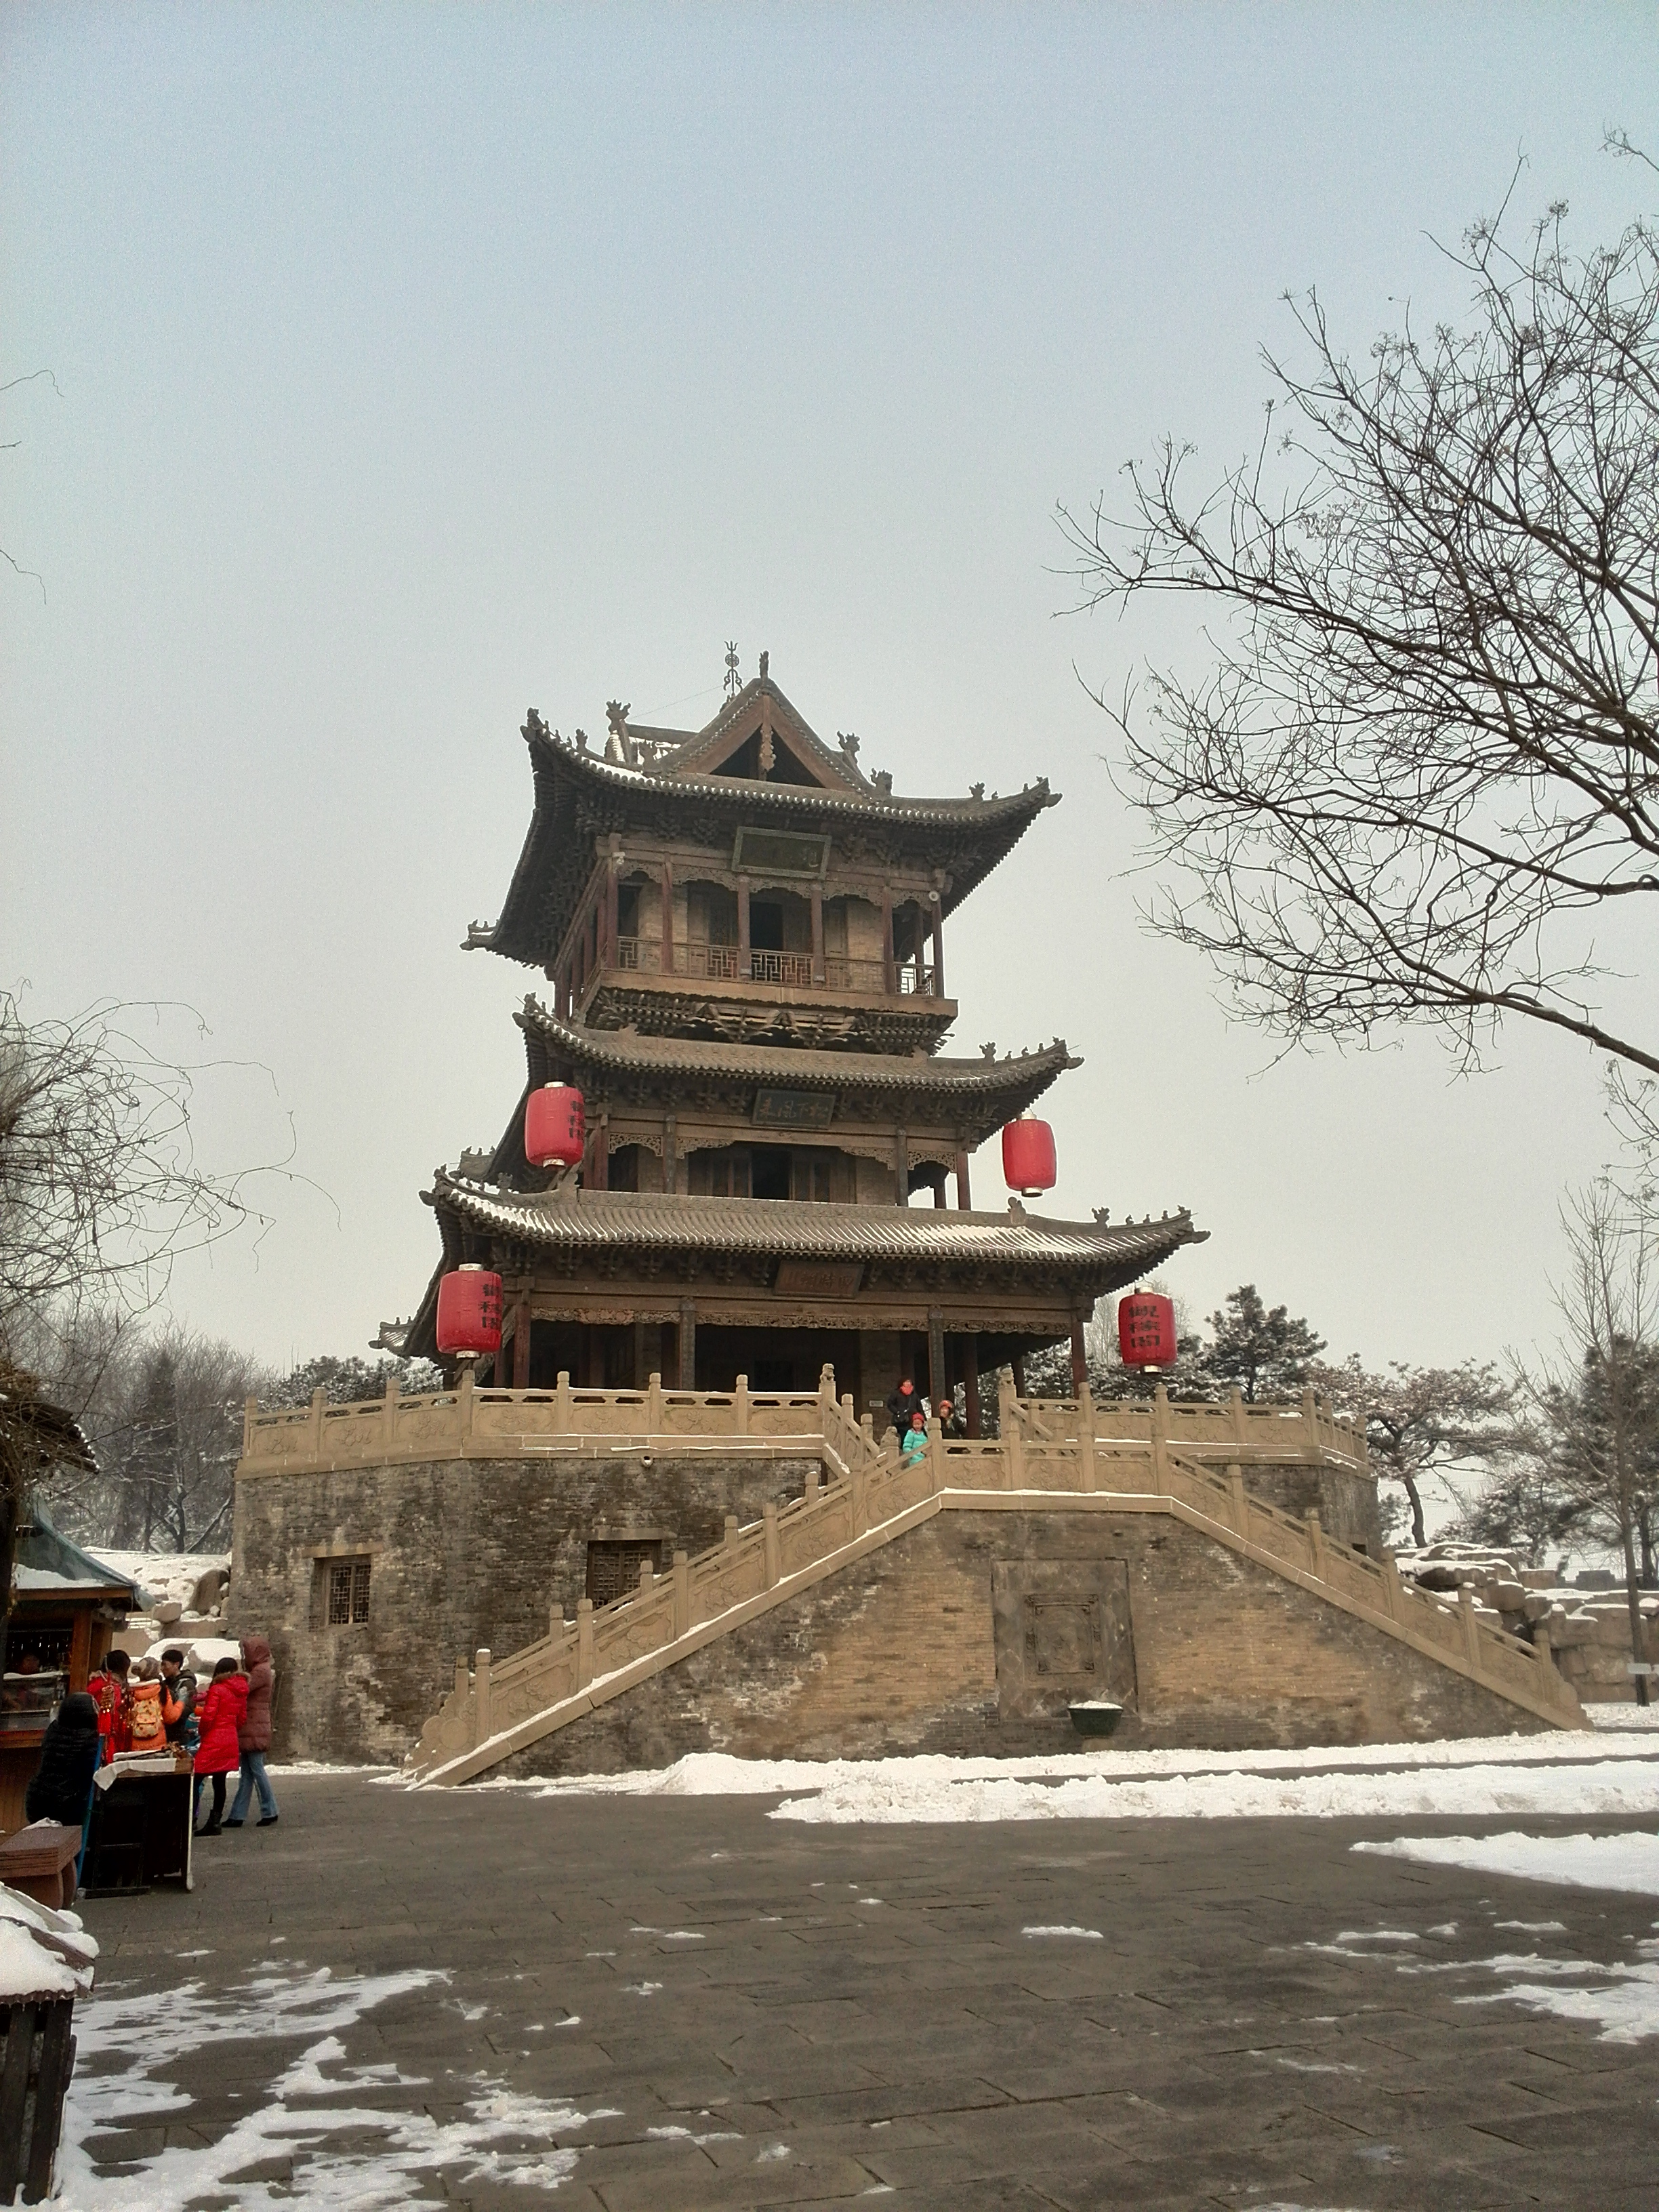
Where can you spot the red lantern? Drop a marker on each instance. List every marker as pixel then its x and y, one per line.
pixel 555 1127
pixel 470 1311
pixel 1028 1157
pixel 1146 1330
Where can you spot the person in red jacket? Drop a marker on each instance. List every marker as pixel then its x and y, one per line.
pixel 112 1693
pixel 254 1735
pixel 220 1713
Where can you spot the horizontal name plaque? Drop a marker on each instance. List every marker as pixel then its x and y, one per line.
pixel 778 852
pixel 795 1110
pixel 819 1279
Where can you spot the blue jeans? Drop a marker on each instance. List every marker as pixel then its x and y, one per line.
pixel 254 1777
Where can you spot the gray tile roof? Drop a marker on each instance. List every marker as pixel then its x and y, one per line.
pixel 595 1220
pixel 795 1067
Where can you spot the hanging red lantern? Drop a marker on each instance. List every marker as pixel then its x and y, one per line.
pixel 555 1127
pixel 470 1311
pixel 1146 1330
pixel 1028 1157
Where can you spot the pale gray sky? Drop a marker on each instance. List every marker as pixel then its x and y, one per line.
pixel 418 365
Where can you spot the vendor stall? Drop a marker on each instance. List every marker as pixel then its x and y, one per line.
pixel 140 1833
pixel 65 1606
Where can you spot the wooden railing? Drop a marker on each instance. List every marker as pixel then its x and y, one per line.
pixel 473 1423
pixel 726 962
pixel 873 1495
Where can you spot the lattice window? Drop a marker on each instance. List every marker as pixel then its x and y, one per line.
pixel 348 1592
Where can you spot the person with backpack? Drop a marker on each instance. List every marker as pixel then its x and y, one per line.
pixel 112 1693
pixel 253 1736
pixel 222 1712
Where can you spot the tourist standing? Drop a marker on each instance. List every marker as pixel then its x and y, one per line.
pixel 221 1712
pixel 112 1693
pixel 914 1446
pixel 61 1786
pixel 178 1700
pixel 253 1736
pixel 902 1405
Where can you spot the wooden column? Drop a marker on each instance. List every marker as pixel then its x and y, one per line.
pixel 902 1166
pixel 668 917
pixel 743 928
pixel 937 1382
pixel 939 949
pixel 1079 1359
pixel 1018 1367
pixel 562 995
pixel 521 1346
pixel 964 1196
pixel 939 1189
pixel 889 972
pixel 670 1163
pixel 612 875
pixel 818 932
pixel 688 1346
pixel 970 1382
pixel 602 1153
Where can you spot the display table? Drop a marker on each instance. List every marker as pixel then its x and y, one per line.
pixel 142 1809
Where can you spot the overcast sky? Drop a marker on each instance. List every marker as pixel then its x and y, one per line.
pixel 418 365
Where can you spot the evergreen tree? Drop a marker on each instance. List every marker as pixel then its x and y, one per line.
pixel 1263 1352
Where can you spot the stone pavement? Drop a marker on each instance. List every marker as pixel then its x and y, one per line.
pixel 773 2013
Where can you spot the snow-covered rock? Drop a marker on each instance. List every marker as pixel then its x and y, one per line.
pixel 43 1952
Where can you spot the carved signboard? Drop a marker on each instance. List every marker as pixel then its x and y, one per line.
pixel 795 1110
pixel 778 852
pixel 819 1279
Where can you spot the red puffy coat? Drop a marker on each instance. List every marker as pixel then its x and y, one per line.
pixel 219 1715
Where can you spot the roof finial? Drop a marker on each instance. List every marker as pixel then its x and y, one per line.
pixel 765 662
pixel 733 681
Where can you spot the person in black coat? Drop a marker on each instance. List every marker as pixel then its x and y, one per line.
pixel 62 1784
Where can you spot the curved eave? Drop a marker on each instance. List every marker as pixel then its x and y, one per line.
pixel 580 796
pixel 758 1228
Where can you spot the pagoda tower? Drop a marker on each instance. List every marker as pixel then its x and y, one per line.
pixel 743 938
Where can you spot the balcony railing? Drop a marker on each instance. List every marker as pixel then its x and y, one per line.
pixel 725 963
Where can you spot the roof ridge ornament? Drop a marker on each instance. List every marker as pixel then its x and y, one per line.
pixel 733 680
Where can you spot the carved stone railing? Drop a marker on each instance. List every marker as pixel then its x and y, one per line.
pixel 872 1496
pixel 474 1423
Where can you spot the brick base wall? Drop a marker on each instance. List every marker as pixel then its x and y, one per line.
pixel 974 1632
pixel 462 1553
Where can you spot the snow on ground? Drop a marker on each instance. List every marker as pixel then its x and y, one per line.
pixel 1580 1861
pixel 358 2141
pixel 1622 1717
pixel 1575 1772
pixel 1621 1998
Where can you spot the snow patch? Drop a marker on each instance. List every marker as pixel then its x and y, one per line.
pixel 351 2146
pixel 1088 1934
pixel 1579 1861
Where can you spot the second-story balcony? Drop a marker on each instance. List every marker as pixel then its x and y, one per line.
pixel 729 963
pixel 694 988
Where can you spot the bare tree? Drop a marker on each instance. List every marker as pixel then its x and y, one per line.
pixel 1424 768
pixel 100 1192
pixel 100 1188
pixel 1602 1418
pixel 1420 1420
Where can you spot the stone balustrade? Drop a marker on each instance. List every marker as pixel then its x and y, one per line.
pixel 470 1422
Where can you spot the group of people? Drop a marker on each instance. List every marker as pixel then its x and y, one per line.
pixel 909 1415
pixel 225 1728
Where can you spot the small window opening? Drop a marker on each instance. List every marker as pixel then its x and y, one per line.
pixel 348 1592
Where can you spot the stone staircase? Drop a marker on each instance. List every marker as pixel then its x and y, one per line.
pixel 1048 1457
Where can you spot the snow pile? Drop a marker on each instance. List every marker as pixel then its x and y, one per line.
pixel 42 1953
pixel 1575 1771
pixel 171 1578
pixel 1608 1786
pixel 354 2136
pixel 1579 1861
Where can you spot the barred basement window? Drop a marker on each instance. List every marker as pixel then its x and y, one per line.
pixel 348 1592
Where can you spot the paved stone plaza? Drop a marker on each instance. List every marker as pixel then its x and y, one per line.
pixel 699 2006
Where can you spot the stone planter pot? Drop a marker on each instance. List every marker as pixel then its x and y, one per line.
pixel 1095 1716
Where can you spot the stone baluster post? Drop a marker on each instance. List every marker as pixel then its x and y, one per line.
pixel 584 1642
pixel 1470 1626
pixel 740 1406
pixel 1315 1546
pixel 770 1537
pixel 481 1716
pixel 681 1593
